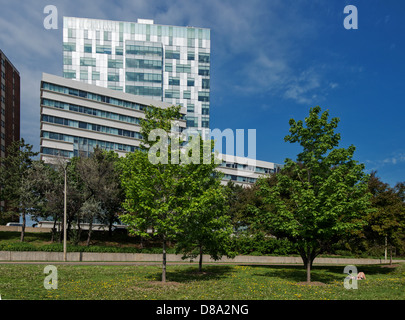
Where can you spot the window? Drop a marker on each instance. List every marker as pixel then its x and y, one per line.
pixel 144 91
pixel 88 48
pixel 204 57
pixel 103 49
pixel 95 75
pixel 69 46
pixel 67 61
pixel 205 83
pixel 144 64
pixel 84 75
pixel 174 81
pixel 187 94
pixel 168 67
pixel 114 77
pixel 172 54
pixel 143 50
pixel 144 77
pixel 175 94
pixel 190 56
pixel 91 62
pixel 71 33
pixel 115 63
pixel 107 35
pixel 192 121
pixel 203 70
pixel 183 68
pixel 119 51
pixel 203 96
pixel 190 82
pixel 69 74
pixel 190 108
pixel 205 110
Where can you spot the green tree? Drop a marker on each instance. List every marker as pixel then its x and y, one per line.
pixel 151 188
pixel 387 222
pixel 321 196
pixel 13 170
pixel 98 176
pixel 206 224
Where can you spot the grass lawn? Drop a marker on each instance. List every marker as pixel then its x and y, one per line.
pixel 230 282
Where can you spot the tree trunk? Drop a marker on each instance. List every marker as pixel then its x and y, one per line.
pixel 53 230
pixel 110 225
pixel 391 254
pixel 308 271
pixel 164 260
pixel 89 234
pixel 201 259
pixel 23 227
pixel 307 257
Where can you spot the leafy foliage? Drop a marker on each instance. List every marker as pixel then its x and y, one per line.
pixel 321 196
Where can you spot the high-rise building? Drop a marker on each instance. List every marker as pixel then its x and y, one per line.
pixel 76 117
pixel 164 63
pixel 10 103
pixel 10 106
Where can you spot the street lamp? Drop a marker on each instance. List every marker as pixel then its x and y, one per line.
pixel 64 214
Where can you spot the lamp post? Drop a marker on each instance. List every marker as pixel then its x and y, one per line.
pixel 64 214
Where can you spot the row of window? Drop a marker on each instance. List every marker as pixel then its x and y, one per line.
pixel 148 29
pixel 175 81
pixel 143 50
pixel 143 77
pixel 144 90
pixel 135 63
pixel 175 94
pixel 192 122
pixel 202 57
pixel 92 96
pixel 247 167
pixel 138 50
pixel 91 111
pixel 81 142
pixel 143 64
pixel 90 126
pixel 57 152
pixel 239 178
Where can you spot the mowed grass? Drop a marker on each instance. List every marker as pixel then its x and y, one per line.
pixel 217 282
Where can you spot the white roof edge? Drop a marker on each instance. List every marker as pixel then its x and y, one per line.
pixel 246 160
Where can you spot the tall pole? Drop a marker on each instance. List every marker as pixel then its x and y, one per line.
pixel 64 220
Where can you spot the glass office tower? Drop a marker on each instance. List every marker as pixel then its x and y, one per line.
pixel 165 63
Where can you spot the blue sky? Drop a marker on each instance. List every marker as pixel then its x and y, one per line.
pixel 271 60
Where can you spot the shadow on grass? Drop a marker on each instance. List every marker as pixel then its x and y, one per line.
pixel 189 274
pixel 324 274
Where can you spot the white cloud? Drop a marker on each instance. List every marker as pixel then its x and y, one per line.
pixel 395 159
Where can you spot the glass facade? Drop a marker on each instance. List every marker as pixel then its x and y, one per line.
pixel 165 63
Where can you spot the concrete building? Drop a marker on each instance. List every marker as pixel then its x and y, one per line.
pixel 164 63
pixel 245 171
pixel 76 116
pixel 10 105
